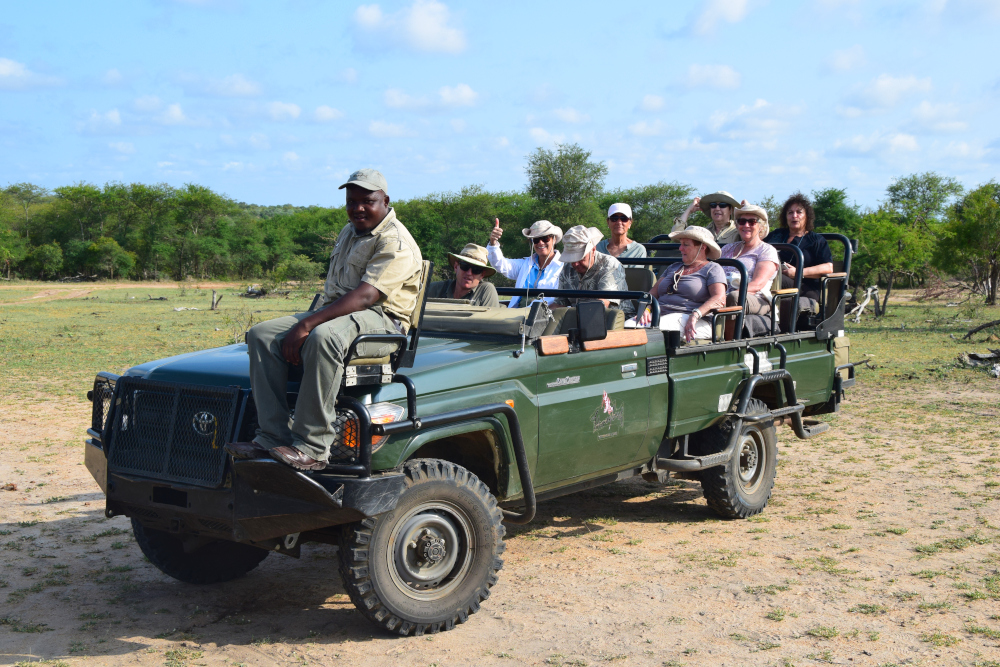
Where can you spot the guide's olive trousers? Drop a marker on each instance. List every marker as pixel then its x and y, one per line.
pixel 322 355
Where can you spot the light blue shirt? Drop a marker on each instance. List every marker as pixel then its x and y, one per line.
pixel 525 271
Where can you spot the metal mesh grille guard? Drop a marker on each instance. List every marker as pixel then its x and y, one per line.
pixel 104 391
pixel 171 431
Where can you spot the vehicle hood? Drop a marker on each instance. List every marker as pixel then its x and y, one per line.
pixel 451 362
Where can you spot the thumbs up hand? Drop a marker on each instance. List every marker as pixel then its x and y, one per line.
pixel 496 232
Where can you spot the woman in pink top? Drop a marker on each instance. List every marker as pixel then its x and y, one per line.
pixel 760 259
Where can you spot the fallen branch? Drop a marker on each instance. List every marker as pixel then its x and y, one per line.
pixel 980 328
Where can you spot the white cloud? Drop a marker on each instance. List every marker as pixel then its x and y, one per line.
pixel 644 129
pixel 570 115
pixel 760 123
pixel 877 143
pixel 232 166
pixel 501 142
pixel 383 130
pixel 458 125
pixel 886 91
pixel 542 136
pixel 939 117
pixel 722 77
pixel 123 147
pixel 234 85
pixel 15 76
pixel 325 114
pixel 290 156
pixel 424 26
pixel 962 150
pixel 394 98
pixel 112 78
pixel 348 75
pixel 283 110
pixel 108 121
pixel 459 96
pixel 147 103
pixel 729 11
pixel 652 103
pixel 847 59
pixel 260 141
pixel 173 115
pixel 164 164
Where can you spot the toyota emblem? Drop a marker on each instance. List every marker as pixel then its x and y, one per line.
pixel 204 423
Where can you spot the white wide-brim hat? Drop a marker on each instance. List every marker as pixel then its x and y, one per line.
pixel 701 235
pixel 761 214
pixel 543 228
pixel 720 196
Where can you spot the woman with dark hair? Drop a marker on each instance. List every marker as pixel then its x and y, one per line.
pixel 797 219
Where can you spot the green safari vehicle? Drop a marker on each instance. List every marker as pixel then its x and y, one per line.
pixel 477 415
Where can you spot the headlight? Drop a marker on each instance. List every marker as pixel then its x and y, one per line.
pixel 384 413
pixel 345 447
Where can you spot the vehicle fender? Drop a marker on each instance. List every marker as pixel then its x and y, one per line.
pixel 461 428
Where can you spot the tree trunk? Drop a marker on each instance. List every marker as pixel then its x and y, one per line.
pixel 215 301
pixel 991 300
pixel 888 290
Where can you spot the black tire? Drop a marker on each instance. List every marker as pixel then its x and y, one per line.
pixel 212 563
pixel 400 569
pixel 742 487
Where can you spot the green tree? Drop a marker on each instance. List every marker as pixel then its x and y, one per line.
pixel 833 213
pixel 82 205
pixel 46 260
pixel 921 199
pixel 105 254
pixel 654 207
pixel 566 182
pixel 26 195
pixel 970 239
pixel 892 249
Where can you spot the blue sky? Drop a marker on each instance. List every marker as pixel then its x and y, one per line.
pixel 276 102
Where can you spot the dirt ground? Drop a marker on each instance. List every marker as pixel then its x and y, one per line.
pixel 881 546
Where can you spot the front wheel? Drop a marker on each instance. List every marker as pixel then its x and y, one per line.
pixel 427 564
pixel 211 563
pixel 742 487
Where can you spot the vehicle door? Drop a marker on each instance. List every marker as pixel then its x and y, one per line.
pixel 593 411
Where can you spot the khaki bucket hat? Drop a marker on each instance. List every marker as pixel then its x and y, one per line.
pixel 701 235
pixel 543 228
pixel 720 196
pixel 579 241
pixel 475 255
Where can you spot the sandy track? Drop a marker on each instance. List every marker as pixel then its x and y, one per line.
pixel 632 573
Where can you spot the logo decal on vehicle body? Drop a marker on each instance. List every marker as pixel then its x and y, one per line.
pixel 562 382
pixel 609 413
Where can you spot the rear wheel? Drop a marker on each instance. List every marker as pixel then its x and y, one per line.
pixel 427 564
pixel 742 487
pixel 211 563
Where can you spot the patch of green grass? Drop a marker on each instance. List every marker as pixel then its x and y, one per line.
pixel 17 625
pixel 776 615
pixel 179 657
pixel 866 608
pixel 897 531
pixel 933 606
pixel 603 520
pixel 973 629
pixel 769 589
pixel 928 574
pixel 823 632
pixel 939 639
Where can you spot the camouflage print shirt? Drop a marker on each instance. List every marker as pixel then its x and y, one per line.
pixel 606 274
pixel 387 258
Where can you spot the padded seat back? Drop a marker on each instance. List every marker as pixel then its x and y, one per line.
pixel 639 278
pixel 565 319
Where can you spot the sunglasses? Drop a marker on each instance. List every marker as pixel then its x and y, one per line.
pixel 542 239
pixel 718 204
pixel 742 222
pixel 618 218
pixel 476 270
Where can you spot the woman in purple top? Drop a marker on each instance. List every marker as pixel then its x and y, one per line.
pixel 760 259
pixel 690 290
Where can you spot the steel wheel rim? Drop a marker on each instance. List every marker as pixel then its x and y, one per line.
pixel 430 550
pixel 750 461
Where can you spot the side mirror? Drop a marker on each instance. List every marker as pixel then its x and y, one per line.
pixel 592 324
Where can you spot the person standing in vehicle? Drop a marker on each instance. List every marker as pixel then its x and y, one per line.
pixel 797 219
pixel 539 270
pixel 371 287
pixel 586 269
pixel 759 258
pixel 620 245
pixel 470 269
pixel 719 206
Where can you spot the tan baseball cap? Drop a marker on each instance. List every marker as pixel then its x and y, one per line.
pixel 369 179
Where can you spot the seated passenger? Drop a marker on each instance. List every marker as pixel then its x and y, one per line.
pixel 470 268
pixel 797 219
pixel 719 206
pixel 539 270
pixel 689 290
pixel 760 259
pixel 620 245
pixel 586 269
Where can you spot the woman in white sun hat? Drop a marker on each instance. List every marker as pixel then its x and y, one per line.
pixel 720 208
pixel 619 244
pixel 759 258
pixel 540 269
pixel 690 290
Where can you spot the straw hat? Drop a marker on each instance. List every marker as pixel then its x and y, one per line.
pixel 701 235
pixel 752 209
pixel 475 255
pixel 579 241
pixel 720 196
pixel 543 228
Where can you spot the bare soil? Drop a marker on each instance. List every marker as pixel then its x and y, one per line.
pixel 880 546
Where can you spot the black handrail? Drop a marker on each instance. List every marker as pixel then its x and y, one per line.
pixel 585 294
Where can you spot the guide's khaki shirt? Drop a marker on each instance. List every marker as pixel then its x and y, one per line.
pixel 387 258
